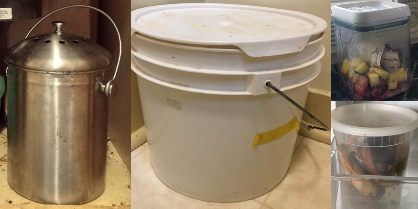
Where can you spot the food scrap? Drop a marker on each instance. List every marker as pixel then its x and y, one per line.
pixel 387 160
pixel 376 79
pixel 4 158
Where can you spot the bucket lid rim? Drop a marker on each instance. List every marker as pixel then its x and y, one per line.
pixel 368 131
pixel 316 39
pixel 259 47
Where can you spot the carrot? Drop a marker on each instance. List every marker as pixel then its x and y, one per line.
pixel 368 160
pixel 346 165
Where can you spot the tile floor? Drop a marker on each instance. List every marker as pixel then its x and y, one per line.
pixel 117 194
pixel 297 190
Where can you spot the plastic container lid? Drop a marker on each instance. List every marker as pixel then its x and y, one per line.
pixel 258 31
pixel 370 12
pixel 368 119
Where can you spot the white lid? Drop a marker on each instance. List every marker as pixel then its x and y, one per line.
pixel 370 12
pixel 258 31
pixel 368 119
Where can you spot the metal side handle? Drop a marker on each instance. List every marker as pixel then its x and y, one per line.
pixel 110 88
pixel 303 124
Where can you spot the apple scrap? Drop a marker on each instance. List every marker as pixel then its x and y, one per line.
pixel 381 78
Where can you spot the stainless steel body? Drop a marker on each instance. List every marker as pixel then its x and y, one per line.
pixel 22 9
pixel 58 89
pixel 57 136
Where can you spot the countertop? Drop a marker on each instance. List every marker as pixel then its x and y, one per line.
pixel 117 194
pixel 307 184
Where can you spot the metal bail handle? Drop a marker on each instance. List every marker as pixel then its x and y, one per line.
pixel 110 88
pixel 303 124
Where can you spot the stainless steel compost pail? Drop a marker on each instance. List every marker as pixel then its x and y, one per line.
pixel 57 116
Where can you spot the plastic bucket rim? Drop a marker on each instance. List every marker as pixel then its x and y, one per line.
pixel 215 92
pixel 320 52
pixel 212 48
pixel 382 131
pixel 341 140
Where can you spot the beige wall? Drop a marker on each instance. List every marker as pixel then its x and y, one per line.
pixel 119 107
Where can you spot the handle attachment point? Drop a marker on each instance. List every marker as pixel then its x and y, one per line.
pixel 110 88
pixel 58 25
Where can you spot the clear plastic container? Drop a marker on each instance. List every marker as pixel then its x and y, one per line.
pixel 373 49
pixel 397 192
pixel 371 150
pixel 383 159
pixel 385 155
pixel 391 191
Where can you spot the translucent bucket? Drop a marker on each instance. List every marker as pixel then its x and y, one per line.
pixel 373 139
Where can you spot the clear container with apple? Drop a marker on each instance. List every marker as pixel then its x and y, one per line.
pixel 373 48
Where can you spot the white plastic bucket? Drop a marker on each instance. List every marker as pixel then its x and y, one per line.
pixel 201 144
pixel 204 105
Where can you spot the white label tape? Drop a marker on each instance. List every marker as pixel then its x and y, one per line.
pixel 6 13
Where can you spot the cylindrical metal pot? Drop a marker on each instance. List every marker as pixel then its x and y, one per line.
pixel 20 9
pixel 57 117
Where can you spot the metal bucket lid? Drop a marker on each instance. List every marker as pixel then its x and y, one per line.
pixel 59 53
pixel 258 31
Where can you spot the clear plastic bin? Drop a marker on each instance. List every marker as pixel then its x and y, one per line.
pixel 380 155
pixel 373 49
pixel 397 192
pixel 373 162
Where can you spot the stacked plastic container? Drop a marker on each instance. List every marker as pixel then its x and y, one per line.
pixel 201 71
pixel 372 139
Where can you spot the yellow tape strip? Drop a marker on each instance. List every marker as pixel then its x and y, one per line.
pixel 274 134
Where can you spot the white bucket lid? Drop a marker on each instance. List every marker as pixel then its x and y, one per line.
pixel 368 119
pixel 258 31
pixel 370 13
